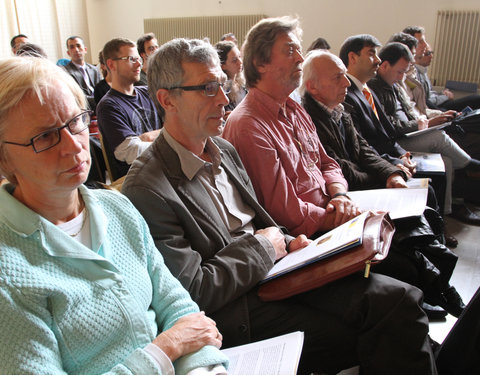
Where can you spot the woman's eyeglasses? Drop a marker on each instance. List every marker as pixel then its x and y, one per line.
pixel 52 137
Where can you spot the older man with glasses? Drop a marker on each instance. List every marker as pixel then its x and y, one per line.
pixel 127 117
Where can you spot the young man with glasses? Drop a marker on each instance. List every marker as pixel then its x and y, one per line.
pixel 147 44
pixel 127 117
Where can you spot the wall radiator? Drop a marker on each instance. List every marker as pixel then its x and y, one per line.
pixel 457 47
pixel 212 28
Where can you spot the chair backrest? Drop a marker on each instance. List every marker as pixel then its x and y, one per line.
pixel 105 157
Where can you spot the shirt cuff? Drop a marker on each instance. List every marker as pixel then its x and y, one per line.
pixel 210 370
pixel 166 366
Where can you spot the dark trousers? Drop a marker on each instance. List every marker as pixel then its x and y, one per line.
pixel 376 323
pixel 472 101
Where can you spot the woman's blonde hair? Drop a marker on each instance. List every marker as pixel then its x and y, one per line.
pixel 20 76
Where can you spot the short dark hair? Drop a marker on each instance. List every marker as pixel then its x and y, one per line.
pixel 223 48
pixel 12 41
pixel 72 38
pixel 319 43
pixel 141 42
pixel 355 44
pixel 31 49
pixel 111 48
pixel 392 52
pixel 410 41
pixel 412 30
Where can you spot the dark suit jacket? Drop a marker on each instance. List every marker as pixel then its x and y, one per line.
pixel 92 73
pixel 378 132
pixel 218 270
pixel 390 98
pixel 361 165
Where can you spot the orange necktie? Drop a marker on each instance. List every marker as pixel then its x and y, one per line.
pixel 369 97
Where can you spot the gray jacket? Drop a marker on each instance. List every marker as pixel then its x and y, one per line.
pixel 219 271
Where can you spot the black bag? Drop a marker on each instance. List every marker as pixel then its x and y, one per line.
pixel 468 121
pixel 460 352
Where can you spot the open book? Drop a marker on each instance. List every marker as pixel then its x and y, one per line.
pixel 276 356
pixel 341 238
pixel 398 203
pixel 430 163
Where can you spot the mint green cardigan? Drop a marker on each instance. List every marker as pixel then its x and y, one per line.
pixel 67 309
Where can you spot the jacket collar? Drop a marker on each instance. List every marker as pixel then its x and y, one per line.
pixel 27 223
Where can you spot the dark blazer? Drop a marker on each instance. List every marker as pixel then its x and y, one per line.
pixel 390 98
pixel 219 271
pixel 92 73
pixel 361 165
pixel 378 132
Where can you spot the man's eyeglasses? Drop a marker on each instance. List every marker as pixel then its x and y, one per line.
pixel 130 59
pixel 210 88
pixel 152 49
pixel 50 138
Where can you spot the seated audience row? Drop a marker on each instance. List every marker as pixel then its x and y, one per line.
pixel 201 209
pixel 198 196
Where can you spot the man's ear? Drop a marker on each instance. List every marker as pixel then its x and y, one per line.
pixel 110 63
pixel 352 58
pixel 311 87
pixel 261 68
pixel 383 66
pixel 167 100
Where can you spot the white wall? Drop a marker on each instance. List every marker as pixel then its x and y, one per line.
pixel 332 19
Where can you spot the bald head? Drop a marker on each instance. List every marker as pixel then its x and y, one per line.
pixel 324 78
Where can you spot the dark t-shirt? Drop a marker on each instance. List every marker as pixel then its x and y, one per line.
pixel 121 116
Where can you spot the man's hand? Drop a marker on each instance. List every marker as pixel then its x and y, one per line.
pixel 298 243
pixel 149 136
pixel 442 118
pixel 448 93
pixel 189 334
pixel 338 211
pixel 276 237
pixel 408 163
pixel 405 170
pixel 422 123
pixel 396 181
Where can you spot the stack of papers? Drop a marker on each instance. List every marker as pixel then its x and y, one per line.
pixel 277 356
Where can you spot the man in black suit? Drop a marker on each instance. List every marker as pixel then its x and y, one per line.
pixel 86 75
pixel 359 54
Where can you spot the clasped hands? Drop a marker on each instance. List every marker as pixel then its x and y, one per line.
pixel 408 166
pixel 189 334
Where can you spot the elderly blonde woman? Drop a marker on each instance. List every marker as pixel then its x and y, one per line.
pixel 83 289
